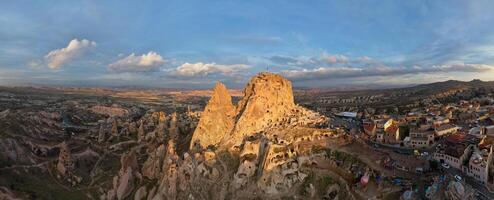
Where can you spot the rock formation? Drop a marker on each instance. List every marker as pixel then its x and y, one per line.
pixel 141 135
pixel 266 129
pixel 110 111
pixel 101 134
pixel 65 164
pixel 152 166
pixel 114 128
pixel 267 105
pixel 267 98
pixel 160 131
pixel 173 129
pixel 168 183
pixel 217 120
pixel 125 181
pixel 132 128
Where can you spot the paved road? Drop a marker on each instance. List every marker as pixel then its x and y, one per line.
pixel 477 186
pixel 395 149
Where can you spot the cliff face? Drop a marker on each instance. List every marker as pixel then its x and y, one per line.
pixel 217 120
pixel 267 105
pixel 267 99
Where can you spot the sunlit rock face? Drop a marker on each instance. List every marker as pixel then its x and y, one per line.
pixel 267 98
pixel 126 179
pixel 217 120
pixel 264 130
pixel 267 104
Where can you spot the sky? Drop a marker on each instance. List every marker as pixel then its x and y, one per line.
pixel 193 44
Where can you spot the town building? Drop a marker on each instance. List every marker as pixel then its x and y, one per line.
pixel 461 152
pixel 479 164
pixel 419 139
pixel 370 127
pixel 487 130
pixel 446 129
pixel 454 150
pixel 390 134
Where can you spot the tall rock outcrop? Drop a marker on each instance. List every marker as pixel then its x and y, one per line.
pixel 267 99
pixel 168 183
pixel 217 120
pixel 267 105
pixel 101 134
pixel 65 163
pixel 141 134
pixel 154 163
pixel 127 177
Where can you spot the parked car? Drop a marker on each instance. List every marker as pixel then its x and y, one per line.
pixel 445 165
pixel 458 178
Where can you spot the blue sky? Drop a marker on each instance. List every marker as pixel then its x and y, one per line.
pixel 195 43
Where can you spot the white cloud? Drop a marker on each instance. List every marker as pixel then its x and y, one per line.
pixel 364 59
pixel 324 59
pixel 203 69
pixel 461 67
pixel 381 70
pixel 337 66
pixel 332 59
pixel 58 57
pixel 35 64
pixel 143 63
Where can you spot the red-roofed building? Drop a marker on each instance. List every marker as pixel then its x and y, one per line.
pixel 369 127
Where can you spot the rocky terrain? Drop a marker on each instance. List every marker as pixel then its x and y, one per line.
pixel 259 146
pixel 59 144
pixel 263 144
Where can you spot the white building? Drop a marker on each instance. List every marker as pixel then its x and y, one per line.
pixel 453 156
pixel 469 159
pixel 479 164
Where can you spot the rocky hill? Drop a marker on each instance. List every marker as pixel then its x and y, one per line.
pixel 267 104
